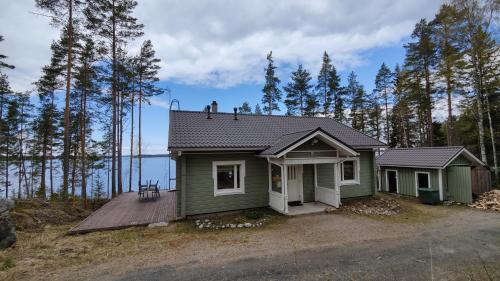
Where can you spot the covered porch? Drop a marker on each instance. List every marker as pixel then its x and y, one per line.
pixel 306 170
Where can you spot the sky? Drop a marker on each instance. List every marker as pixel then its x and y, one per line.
pixel 216 49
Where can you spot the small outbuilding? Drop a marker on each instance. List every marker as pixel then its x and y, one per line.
pixel 444 169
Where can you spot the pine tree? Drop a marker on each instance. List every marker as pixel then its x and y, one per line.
pixel 147 77
pixel 46 127
pixel 451 62
pixel 299 98
pixel 113 21
pixel 245 108
pixel 420 61
pixel 383 87
pixel 87 86
pixel 482 66
pixel 374 116
pixel 272 94
pixel 2 57
pixel 257 110
pixel 355 95
pixel 65 13
pixel 328 84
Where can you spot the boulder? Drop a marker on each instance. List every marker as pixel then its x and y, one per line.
pixel 6 205
pixel 7 227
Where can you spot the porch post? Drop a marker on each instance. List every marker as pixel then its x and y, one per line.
pixel 337 183
pixel 440 178
pixel 284 190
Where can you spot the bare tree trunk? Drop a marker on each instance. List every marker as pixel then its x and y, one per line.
pixel 492 134
pixel 83 156
pixel 140 131
pixel 430 129
pixel 450 137
pixel 67 124
pixel 480 124
pixel 7 173
pixel 120 142
pixel 51 141
pixel 131 138
pixel 387 134
pixel 73 172
pixel 113 102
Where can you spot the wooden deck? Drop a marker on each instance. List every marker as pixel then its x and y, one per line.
pixel 127 210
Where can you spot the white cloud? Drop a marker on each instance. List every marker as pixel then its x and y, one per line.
pixel 224 43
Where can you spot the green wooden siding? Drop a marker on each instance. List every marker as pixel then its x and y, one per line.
pixel 320 145
pixel 200 185
pixel 459 184
pixel 326 175
pixel 460 160
pixel 308 181
pixel 406 179
pixel 195 186
pixel 366 186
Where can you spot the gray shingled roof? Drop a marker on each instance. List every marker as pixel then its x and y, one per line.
pixel 192 130
pixel 419 157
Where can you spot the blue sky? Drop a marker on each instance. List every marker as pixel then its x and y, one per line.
pixel 216 49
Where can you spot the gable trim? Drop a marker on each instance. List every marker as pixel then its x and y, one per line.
pixel 325 137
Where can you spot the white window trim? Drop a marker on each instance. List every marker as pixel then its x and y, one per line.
pixel 356 172
pixel 387 180
pixel 232 191
pixel 416 180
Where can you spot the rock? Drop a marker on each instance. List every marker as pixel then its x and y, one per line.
pixel 200 226
pixel 7 227
pixel 6 205
pixel 330 210
pixel 248 224
pixel 240 225
pixel 233 225
pixel 207 220
pixel 158 224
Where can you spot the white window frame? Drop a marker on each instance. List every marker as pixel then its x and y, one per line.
pixel 416 180
pixel 387 180
pixel 356 172
pixel 234 190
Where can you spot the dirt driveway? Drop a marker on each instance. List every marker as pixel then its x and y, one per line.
pixel 422 243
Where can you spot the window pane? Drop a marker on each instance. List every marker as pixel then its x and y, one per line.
pixel 423 180
pixel 348 170
pixel 276 178
pixel 238 174
pixel 225 177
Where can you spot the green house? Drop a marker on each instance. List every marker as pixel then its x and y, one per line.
pixel 230 161
pixel 447 170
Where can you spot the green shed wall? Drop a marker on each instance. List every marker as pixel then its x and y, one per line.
pixel 459 184
pixel 406 179
pixel 460 161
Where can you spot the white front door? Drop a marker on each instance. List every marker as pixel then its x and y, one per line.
pixel 294 182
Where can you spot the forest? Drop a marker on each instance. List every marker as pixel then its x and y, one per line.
pixel 452 60
pixel 94 86
pixel 101 85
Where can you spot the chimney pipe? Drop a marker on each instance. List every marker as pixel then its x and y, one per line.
pixel 208 112
pixel 214 106
pixel 235 113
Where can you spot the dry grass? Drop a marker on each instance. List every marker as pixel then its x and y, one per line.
pixel 47 251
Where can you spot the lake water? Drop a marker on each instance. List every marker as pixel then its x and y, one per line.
pixel 154 168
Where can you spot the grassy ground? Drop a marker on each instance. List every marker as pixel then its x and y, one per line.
pixel 49 251
pixel 48 248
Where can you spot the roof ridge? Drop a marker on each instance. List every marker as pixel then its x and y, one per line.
pixel 425 147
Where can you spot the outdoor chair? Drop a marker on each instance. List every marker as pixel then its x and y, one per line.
pixel 155 189
pixel 143 189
